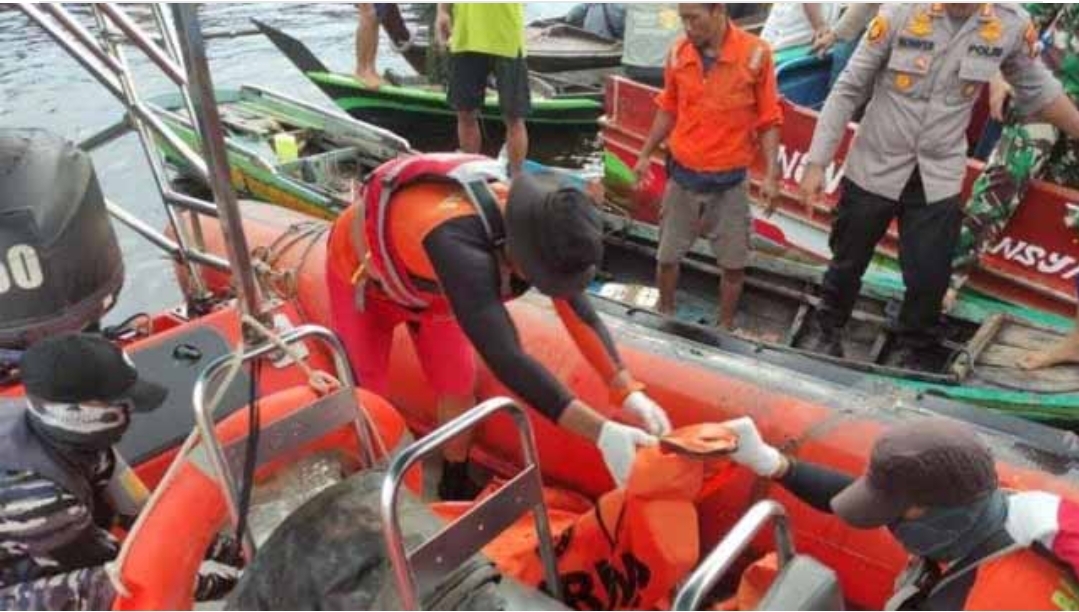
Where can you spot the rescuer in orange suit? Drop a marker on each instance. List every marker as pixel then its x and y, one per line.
pixel 439 242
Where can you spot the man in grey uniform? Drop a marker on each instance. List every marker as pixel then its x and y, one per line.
pixel 922 67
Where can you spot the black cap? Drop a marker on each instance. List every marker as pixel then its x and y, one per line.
pixel 930 463
pixel 78 367
pixel 554 233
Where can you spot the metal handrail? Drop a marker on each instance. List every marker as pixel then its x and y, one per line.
pixel 204 420
pixel 716 564
pixel 518 487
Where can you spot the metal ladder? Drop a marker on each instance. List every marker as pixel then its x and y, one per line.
pixel 459 540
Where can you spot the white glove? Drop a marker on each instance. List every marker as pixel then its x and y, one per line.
pixel 753 452
pixel 1032 517
pixel 654 418
pixel 618 444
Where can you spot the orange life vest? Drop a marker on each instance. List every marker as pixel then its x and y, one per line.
pixel 402 201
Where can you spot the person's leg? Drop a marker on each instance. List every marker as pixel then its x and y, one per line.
pixel 861 220
pixel 1018 158
pixel 367 45
pixel 679 215
pixel 449 364
pixel 468 85
pixel 927 234
pixel 726 221
pixel 515 102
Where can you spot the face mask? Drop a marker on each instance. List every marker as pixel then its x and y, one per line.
pixel 80 426
pixel 949 534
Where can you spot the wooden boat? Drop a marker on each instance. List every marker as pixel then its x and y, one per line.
pixel 976 363
pixel 287 151
pixel 1033 265
pixel 555 46
pixel 417 108
pixel 820 421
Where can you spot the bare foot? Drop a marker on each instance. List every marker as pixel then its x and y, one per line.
pixel 1065 351
pixel 369 78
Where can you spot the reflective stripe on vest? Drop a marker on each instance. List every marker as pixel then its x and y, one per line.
pixel 471 172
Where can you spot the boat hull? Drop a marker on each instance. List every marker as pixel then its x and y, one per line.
pixel 1034 264
pixel 815 420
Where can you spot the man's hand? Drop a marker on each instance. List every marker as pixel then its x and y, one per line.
pixel 769 196
pixel 823 40
pixel 999 92
pixel 618 444
pixel 811 186
pixel 642 170
pixel 443 26
pixel 647 412
pixel 753 452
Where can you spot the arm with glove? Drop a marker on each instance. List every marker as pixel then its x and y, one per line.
pixel 814 484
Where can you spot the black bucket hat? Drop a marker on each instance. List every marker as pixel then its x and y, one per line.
pixel 79 367
pixel 554 233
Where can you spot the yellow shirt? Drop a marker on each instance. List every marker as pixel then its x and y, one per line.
pixel 495 28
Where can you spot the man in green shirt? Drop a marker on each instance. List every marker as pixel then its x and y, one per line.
pixel 487 38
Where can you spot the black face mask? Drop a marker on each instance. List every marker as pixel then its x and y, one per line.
pixel 949 534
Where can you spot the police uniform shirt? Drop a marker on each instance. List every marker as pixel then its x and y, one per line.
pixel 924 72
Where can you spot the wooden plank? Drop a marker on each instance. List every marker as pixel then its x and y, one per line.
pixel 1040 381
pixel 1024 336
pixel 985 335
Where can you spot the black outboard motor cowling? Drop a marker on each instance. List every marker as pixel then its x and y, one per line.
pixel 60 262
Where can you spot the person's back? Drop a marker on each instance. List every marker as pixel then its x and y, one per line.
pixel 789 25
pixel 651 29
pixel 494 28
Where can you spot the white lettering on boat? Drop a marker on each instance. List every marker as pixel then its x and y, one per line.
pixel 1033 256
pixel 792 165
pixel 22 269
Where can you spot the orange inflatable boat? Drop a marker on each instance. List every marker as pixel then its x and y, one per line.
pixel 814 420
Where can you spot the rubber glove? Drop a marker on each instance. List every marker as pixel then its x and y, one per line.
pixel 1032 517
pixel 618 444
pixel 753 452
pixel 650 413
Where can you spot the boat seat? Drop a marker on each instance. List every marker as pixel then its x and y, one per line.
pixel 804 584
pixel 175 361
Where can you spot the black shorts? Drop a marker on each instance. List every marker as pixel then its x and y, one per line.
pixel 468 83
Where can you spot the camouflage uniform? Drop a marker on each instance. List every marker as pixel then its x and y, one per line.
pixel 1026 150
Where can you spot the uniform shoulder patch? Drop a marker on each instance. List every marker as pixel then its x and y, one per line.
pixel 877 29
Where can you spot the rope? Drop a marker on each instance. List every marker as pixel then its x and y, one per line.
pixel 322 382
pixel 282 283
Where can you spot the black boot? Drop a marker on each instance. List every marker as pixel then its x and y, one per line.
pixel 825 339
pixel 456 484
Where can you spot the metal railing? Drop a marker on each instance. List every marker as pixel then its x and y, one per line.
pixel 327 416
pixel 723 556
pixel 463 538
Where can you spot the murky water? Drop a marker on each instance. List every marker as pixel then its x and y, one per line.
pixel 41 86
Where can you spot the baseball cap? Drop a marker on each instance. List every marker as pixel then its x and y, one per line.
pixel 81 367
pixel 931 462
pixel 554 233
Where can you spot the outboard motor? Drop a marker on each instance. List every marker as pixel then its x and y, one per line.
pixel 60 262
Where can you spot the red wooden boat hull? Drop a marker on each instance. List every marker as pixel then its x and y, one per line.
pixel 814 420
pixel 1035 264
